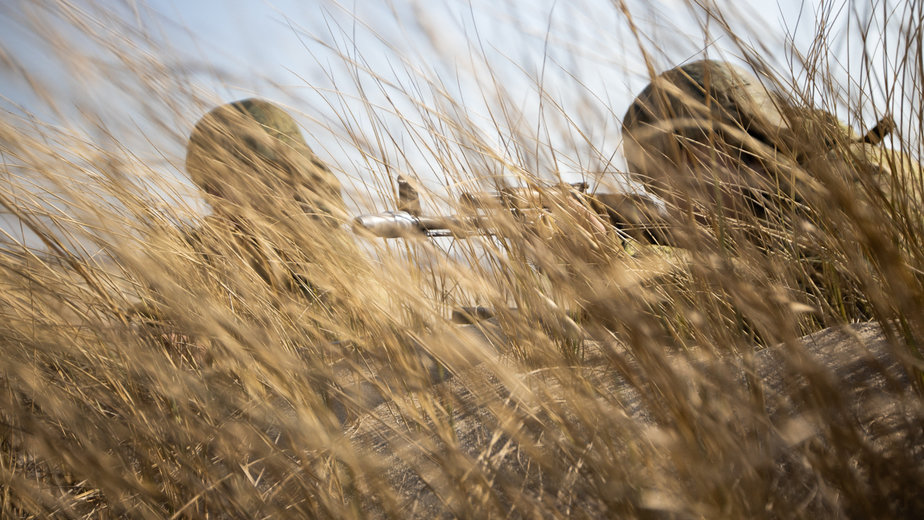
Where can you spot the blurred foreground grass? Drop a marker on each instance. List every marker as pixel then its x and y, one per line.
pixel 629 381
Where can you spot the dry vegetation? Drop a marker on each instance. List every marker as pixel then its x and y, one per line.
pixel 629 381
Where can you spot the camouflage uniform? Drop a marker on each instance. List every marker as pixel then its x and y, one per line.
pixel 276 206
pixel 713 142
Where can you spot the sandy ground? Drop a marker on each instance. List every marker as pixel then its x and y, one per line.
pixel 858 358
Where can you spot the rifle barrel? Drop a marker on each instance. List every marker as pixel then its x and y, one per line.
pixel 637 215
pixel 397 224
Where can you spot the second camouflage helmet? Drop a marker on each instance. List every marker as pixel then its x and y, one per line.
pixel 705 113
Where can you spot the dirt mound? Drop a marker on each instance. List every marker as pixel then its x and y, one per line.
pixel 502 450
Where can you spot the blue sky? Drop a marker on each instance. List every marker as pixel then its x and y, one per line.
pixel 350 69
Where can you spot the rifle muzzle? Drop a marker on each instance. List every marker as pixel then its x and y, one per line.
pixel 390 224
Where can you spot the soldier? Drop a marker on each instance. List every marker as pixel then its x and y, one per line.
pixel 266 187
pixel 716 144
pixel 277 210
pixel 709 136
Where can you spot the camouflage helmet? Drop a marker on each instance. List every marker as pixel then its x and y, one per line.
pixel 705 113
pixel 251 152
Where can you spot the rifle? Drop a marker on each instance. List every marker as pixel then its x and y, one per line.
pixel 636 215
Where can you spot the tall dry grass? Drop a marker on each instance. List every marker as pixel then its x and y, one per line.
pixel 143 378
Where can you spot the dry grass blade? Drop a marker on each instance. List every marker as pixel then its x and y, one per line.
pixel 239 352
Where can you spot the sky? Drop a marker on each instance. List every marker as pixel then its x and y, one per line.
pixel 355 73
